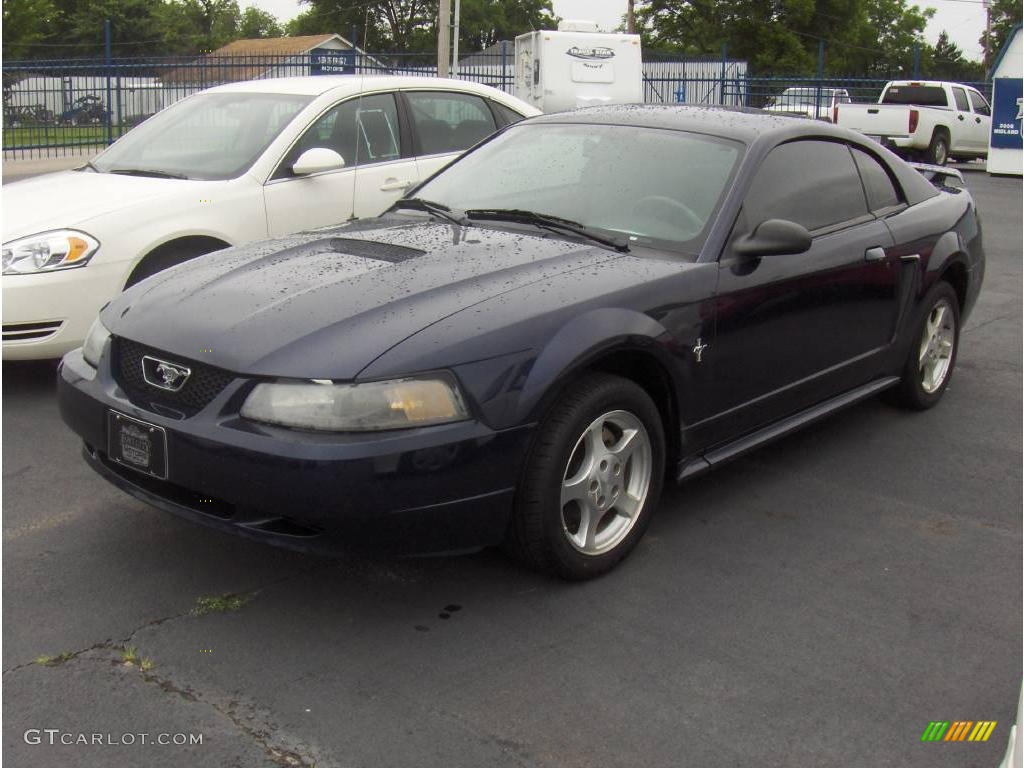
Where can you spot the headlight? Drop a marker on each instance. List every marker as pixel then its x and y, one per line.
pixel 375 405
pixel 48 252
pixel 95 341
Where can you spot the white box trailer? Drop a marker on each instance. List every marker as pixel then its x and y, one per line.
pixel 577 66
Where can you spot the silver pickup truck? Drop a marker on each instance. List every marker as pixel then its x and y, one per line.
pixel 924 120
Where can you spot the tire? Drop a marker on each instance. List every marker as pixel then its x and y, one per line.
pixel 933 348
pixel 938 150
pixel 574 474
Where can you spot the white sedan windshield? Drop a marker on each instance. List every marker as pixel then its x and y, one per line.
pixel 207 136
pixel 657 187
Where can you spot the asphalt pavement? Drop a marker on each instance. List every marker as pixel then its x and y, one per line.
pixel 817 603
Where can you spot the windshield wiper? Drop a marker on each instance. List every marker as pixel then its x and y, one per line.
pixel 547 221
pixel 147 172
pixel 435 209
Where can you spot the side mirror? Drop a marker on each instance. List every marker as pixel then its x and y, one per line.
pixel 317 160
pixel 774 237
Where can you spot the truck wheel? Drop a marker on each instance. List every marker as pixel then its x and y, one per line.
pixel 938 150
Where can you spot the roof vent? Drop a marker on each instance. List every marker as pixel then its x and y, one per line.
pixel 575 25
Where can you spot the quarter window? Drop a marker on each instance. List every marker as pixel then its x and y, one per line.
pixel 362 130
pixel 878 185
pixel 505 115
pixel 814 183
pixel 449 122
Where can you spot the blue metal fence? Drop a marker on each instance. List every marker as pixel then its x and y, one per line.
pixel 63 107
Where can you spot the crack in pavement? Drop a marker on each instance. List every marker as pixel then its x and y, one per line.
pixel 263 734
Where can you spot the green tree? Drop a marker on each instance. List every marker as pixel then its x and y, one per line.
pixel 257 23
pixel 947 62
pixel 26 23
pixel 482 23
pixel 1005 15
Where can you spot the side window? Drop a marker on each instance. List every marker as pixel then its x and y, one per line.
pixel 505 115
pixel 449 122
pixel 363 130
pixel 961 100
pixel 881 191
pixel 814 183
pixel 981 106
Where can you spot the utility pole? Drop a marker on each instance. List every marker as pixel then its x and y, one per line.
pixel 455 55
pixel 444 50
pixel 630 18
pixel 988 31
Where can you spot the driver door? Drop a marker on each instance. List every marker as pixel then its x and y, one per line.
pixel 796 329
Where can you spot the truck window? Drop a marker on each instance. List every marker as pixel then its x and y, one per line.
pixel 981 106
pixel 961 100
pixel 917 95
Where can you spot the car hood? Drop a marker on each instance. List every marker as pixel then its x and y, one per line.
pixel 73 198
pixel 325 304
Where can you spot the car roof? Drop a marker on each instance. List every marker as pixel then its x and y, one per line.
pixel 740 123
pixel 317 85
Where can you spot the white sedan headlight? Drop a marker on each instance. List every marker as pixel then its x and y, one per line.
pixel 48 252
pixel 375 405
pixel 95 341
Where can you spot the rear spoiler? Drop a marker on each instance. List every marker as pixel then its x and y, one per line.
pixel 940 176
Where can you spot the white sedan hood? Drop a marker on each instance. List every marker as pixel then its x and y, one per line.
pixel 73 198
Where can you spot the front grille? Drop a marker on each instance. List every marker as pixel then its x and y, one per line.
pixel 31 331
pixel 204 383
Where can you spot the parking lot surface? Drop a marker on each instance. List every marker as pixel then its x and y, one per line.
pixel 817 603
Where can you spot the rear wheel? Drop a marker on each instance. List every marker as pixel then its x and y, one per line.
pixel 938 150
pixel 592 479
pixel 932 355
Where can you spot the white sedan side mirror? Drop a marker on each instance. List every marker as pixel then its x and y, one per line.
pixel 317 160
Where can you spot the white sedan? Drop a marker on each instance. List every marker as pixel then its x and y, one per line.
pixel 228 165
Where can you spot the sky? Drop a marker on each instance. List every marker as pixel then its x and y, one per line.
pixel 964 20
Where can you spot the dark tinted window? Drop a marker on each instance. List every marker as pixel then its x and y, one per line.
pixel 506 116
pixel 362 130
pixel 961 100
pixel 814 183
pixel 449 122
pixel 881 191
pixel 980 105
pixel 920 95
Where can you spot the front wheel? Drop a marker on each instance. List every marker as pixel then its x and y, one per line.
pixel 592 479
pixel 932 355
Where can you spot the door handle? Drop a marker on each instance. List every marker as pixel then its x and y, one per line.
pixel 390 185
pixel 874 254
pixel 977 120
pixel 959 117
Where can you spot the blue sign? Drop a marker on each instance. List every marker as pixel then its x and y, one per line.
pixel 324 61
pixel 1006 113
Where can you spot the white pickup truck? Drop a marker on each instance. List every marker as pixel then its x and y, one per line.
pixel 924 120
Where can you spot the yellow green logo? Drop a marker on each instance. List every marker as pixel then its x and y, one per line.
pixel 958 730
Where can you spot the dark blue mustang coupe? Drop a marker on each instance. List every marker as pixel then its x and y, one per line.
pixel 523 348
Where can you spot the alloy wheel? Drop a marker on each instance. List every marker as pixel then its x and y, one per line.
pixel 936 349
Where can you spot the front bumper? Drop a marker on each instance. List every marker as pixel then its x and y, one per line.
pixel 48 314
pixel 437 489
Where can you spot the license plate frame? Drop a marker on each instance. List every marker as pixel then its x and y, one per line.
pixel 138 445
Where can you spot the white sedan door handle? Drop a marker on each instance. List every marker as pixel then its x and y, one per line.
pixel 390 185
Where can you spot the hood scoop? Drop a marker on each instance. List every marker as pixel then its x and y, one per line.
pixel 370 249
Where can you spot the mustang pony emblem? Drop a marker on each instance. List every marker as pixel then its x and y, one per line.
pixel 164 375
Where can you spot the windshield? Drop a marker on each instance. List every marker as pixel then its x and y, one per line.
pixel 805 97
pixel 657 187
pixel 207 136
